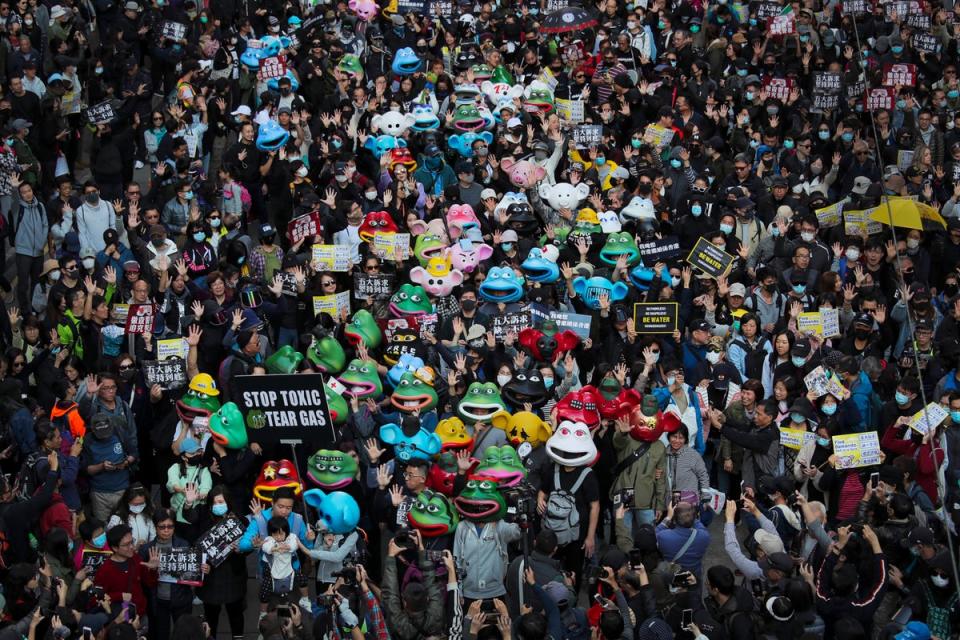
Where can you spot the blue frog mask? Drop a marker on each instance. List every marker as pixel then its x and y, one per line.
pixel 415 440
pixel 539 268
pixel 337 511
pixel 463 143
pixel 405 62
pixel 271 136
pixel 590 290
pixel 379 145
pixel 502 284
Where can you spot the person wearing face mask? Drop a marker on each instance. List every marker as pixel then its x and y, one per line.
pixel 188 481
pixel 136 511
pixel 933 597
pixel 166 601
pixel 267 258
pixel 434 173
pixel 468 189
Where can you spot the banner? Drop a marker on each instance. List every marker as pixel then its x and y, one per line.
pixel 169 374
pixel 271 67
pixel 100 113
pixel 795 438
pixel 510 322
pixel 778 88
pixel 928 418
pixel 175 347
pixel 782 25
pixel 216 544
pixel 576 322
pixel 306 226
pixel 571 110
pixel 856 450
pixel 899 74
pixel 880 98
pixel 710 259
pixel 378 287
pixel 181 565
pixel 91 559
pixel 655 317
pixel 284 406
pixel 332 304
pixel 288 282
pixel 331 257
pixel 140 318
pixel 659 250
pixel 659 137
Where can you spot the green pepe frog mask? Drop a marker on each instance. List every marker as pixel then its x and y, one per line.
pixel 480 500
pixel 326 355
pixel 410 300
pixel 361 380
pixel 331 470
pixel 363 329
pixel 200 400
pixel 427 246
pixel 227 427
pixel 481 401
pixel 620 244
pixel 433 515
pixel 284 360
pixel 336 404
pixel 413 394
pixel 503 464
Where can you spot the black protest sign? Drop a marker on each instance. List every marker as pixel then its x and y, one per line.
pixel 823 101
pixel 378 287
pixel 588 135
pixel 827 83
pixel 710 259
pixel 655 317
pixel 289 282
pixel 506 323
pixel 855 7
pixel 412 6
pixel 100 113
pixel 441 8
pixel 169 374
pixel 919 21
pixel 217 543
pixel 576 322
pixel 91 559
pixel 856 89
pixel 926 42
pixel 284 407
pixel 767 10
pixel 173 30
pixel 446 307
pixel 181 565
pixel 659 250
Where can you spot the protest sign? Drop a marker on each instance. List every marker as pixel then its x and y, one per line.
pixel 830 216
pixel 900 74
pixel 140 318
pixel 795 438
pixel 216 543
pixel 855 88
pixel 904 159
pixel 855 7
pixel 172 30
pixel 782 25
pixel 510 322
pixel 856 223
pixel 573 54
pixel 181 565
pixel 175 347
pixel 900 8
pixel 570 110
pixel 428 324
pixel 91 559
pixel 826 82
pixel 880 98
pixel 658 137
pixel 836 388
pixel 767 10
pixel 588 135
pixel 271 67
pixel 778 88
pixel 284 406
pixel 659 250
pixel 830 322
pixel 378 287
pixel 823 102
pixel 655 317
pixel 288 282
pixel 391 246
pixel 710 259
pixel 169 374
pixel 926 42
pixel 305 226
pixel 441 8
pixel 100 113
pixel 331 257
pixel 816 381
pixel 119 312
pixel 919 21
pixel 576 322
pixel 928 418
pixel 856 450
pixel 418 7
pixel 332 304
pixel 810 322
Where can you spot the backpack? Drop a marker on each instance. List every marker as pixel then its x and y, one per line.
pixel 245 200
pixel 754 358
pixel 27 483
pixel 938 618
pixel 562 516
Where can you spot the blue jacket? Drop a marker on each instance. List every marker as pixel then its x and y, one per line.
pixel 861 394
pixel 30 230
pixel 671 540
pixel 21 425
pixel 693 355
pixel 103 260
pixel 665 399
pixel 258 527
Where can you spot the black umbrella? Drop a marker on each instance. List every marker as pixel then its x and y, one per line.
pixel 569 19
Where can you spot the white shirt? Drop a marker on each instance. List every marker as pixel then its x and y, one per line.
pixel 281 562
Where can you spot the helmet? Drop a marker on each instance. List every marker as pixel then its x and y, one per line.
pixel 203 383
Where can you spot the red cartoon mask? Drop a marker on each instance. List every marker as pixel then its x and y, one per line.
pixel 376 222
pixel 275 475
pixel 580 406
pixel 544 347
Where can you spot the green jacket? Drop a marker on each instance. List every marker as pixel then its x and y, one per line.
pixel 25 155
pixel 736 415
pixel 641 476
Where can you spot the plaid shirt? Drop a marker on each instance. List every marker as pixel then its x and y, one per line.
pixel 376 623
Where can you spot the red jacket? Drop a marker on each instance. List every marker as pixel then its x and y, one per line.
pixel 926 475
pixel 116 581
pixel 57 515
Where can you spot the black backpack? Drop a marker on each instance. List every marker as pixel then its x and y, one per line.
pixel 754 359
pixel 27 481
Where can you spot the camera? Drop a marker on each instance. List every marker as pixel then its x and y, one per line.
pixel 328 601
pixel 595 573
pixel 97 592
pixel 434 556
pixel 636 557
pixel 675 498
pixel 521 502
pixel 680 579
pixel 627 497
pixel 488 606
pixel 405 538
pixel 348 573
pixel 283 611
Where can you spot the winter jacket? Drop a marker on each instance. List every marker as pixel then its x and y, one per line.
pixel 130 577
pixel 670 540
pixel 410 626
pixel 686 471
pixel 483 556
pixel 641 475
pixel 761 451
pixel 92 221
pixel 30 224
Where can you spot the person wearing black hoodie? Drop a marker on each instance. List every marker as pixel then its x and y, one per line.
pixel 728 604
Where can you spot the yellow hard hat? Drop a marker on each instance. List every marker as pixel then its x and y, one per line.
pixel 203 383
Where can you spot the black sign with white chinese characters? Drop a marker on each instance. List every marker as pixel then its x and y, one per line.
pixel 855 7
pixel 441 8
pixel 173 30
pixel 919 21
pixel 576 322
pixel 217 543
pixel 926 42
pixel 588 135
pixel 822 102
pixel 856 89
pixel 287 406
pixel 91 559
pixel 181 565
pixel 378 287
pixel 827 83
pixel 655 317
pixel 510 322
pixel 169 374
pixel 710 259
pixel 412 6
pixel 767 10
pixel 100 113
pixel 289 281
pixel 659 250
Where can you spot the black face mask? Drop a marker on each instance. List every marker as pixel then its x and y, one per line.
pixel 861 334
pixel 468 305
pixel 950 290
pixel 770 288
pixel 268 240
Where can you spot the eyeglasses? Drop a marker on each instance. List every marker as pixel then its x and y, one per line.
pixel 409 476
pixel 165 526
pixel 133 193
pixel 19 363
pixel 372 267
pixel 158 119
pixel 125 367
pixel 213 218
pixel 328 283
pixel 128 543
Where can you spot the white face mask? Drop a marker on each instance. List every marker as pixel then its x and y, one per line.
pixel 940 581
pixel 807 236
pixel 371 195
pixel 302 172
pixel 88 263
pixel 913 243
pixel 853 254
pixel 713 357
pixel 503 379
pixel 137 508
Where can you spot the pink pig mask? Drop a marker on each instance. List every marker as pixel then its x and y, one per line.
pixel 466 255
pixel 365 9
pixel 523 174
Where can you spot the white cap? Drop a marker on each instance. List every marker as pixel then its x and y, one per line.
pixel 57 12
pixel 514 122
pixel 737 289
pixel 550 252
pixel 509 236
pixel 488 193
pixel 242 110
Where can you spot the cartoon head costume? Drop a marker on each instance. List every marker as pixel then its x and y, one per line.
pixel 227 427
pixel 467 117
pixel 541 264
pixel 648 423
pixel 392 123
pixel 361 380
pixel 331 469
pixel 284 360
pixel 580 406
pixel 563 195
pixel 545 343
pixel 376 222
pixel 481 500
pixel 406 62
pixel 338 512
pixel 326 355
pixel 363 329
pixel 410 300
pixel 271 136
pixel 200 400
pixel 443 472
pixel 481 401
pixel 333 391
pixel 614 401
pixel 412 441
pixel 406 363
pixel 432 514
pixel 438 278
pixel 453 434
pixel 404 341
pixel 617 245
pixel 523 174
pixel 502 464
pixel 427 247
pixel 522 427
pixel 462 143
pixel 465 255
pixel 415 392
pixel 275 475
pixel 502 284
pixel 525 387
pixel 591 290
pixel 572 445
